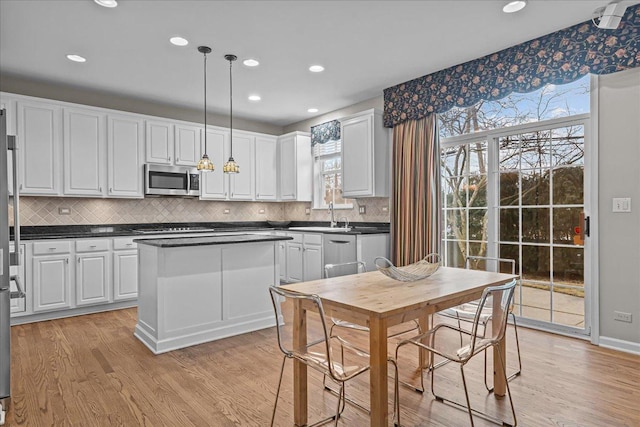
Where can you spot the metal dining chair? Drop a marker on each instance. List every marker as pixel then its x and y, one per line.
pixel 467 311
pixel 443 340
pixel 332 356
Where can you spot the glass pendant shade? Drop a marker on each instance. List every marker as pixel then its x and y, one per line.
pixel 204 164
pixel 231 166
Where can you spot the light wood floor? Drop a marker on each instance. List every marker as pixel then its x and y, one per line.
pixel 91 371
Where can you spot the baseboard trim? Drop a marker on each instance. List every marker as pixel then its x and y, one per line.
pixel 621 345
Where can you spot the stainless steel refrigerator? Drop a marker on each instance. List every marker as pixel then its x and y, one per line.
pixel 8 153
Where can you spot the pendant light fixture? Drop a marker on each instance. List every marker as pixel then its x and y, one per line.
pixel 231 166
pixel 205 164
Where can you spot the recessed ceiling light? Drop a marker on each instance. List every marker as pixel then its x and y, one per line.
pixel 312 110
pixel 254 98
pixel 179 41
pixel 316 68
pixel 514 6
pixel 107 3
pixel 76 58
pixel 251 62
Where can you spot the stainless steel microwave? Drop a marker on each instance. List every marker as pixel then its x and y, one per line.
pixel 163 180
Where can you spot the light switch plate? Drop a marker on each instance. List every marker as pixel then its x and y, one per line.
pixel 64 211
pixel 260 211
pixel 621 204
pixel 362 209
pixel 227 211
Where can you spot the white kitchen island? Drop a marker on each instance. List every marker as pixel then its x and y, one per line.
pixel 198 289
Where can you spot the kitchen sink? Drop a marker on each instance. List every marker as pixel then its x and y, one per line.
pixel 322 229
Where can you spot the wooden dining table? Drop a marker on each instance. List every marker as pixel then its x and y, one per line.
pixel 379 302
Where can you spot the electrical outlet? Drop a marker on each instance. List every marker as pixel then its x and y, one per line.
pixel 622 316
pixel 64 211
pixel 362 209
pixel 307 211
pixel 260 211
pixel 227 211
pixel 385 209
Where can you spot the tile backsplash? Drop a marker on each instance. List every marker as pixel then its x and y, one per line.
pixel 48 211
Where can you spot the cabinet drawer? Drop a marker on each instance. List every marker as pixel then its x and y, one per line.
pixel 313 239
pixel 51 247
pixel 124 243
pixel 92 245
pixel 297 237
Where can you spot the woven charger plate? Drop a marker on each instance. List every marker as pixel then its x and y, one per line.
pixel 412 272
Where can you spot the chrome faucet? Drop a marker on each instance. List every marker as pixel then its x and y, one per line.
pixel 346 222
pixel 333 221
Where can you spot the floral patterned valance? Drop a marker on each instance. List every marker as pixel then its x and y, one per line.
pixel 325 132
pixel 558 58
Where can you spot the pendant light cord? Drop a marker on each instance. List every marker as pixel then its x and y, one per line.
pixel 205 103
pixel 231 105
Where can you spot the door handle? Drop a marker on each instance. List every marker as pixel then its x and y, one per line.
pixel 14 258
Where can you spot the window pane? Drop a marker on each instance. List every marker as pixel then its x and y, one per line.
pixel 509 188
pixel 455 257
pixel 535 225
pixel 568 266
pixel 568 146
pixel 478 224
pixel 509 252
pixel 536 150
pixel 509 225
pixel 456 227
pixel 568 306
pixel 535 263
pixel 568 185
pixel 565 220
pixel 454 160
pixel 478 158
pixel 457 185
pixel 477 190
pixel 509 152
pixel 477 248
pixel 535 188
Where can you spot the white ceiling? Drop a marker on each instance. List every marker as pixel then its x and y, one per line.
pixel 365 47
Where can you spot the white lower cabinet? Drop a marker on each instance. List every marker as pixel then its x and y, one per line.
pixel 303 257
pixel 51 282
pixel 125 275
pixel 92 278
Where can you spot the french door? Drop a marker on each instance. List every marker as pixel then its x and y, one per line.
pixel 519 193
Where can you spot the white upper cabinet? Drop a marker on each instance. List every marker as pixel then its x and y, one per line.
pixel 39 138
pixel 266 168
pixel 187 145
pixel 366 156
pixel 125 141
pixel 242 185
pixel 83 148
pixel 295 167
pixel 215 185
pixel 159 146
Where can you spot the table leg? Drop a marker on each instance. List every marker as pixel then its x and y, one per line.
pixel 499 380
pixel 378 373
pixel 423 355
pixel 299 368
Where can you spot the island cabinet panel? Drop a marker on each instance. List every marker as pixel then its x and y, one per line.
pixel 245 288
pixel 198 293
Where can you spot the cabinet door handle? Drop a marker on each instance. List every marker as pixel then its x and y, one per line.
pixel 21 186
pixel 129 244
pixel 67 260
pixel 78 260
pixel 92 246
pixel 111 190
pixel 52 249
pixel 100 189
pixel 177 159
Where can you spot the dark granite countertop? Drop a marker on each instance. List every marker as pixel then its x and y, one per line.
pixel 209 240
pixel 44 232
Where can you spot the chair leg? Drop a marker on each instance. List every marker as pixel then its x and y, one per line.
pixel 340 400
pixel 275 405
pixel 466 394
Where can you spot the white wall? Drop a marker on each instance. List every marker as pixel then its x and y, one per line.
pixel 619 233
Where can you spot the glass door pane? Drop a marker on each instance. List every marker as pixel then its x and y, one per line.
pixel 541 197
